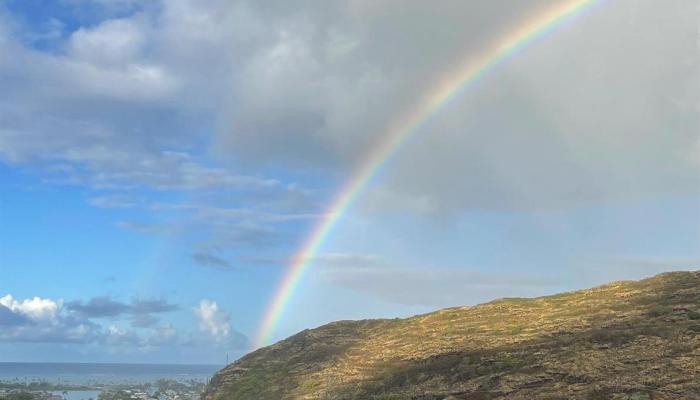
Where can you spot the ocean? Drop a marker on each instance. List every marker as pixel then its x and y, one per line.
pixel 89 373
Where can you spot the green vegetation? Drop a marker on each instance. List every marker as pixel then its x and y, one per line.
pixel 589 344
pixel 18 396
pixel 659 311
pixel 517 329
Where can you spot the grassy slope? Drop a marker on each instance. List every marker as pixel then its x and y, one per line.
pixel 627 340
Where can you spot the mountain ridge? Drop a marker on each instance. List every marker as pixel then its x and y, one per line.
pixel 625 339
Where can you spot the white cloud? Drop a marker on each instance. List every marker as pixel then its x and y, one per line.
pixel 42 320
pixel 113 42
pixel 212 321
pixel 36 308
pixel 115 331
pixel 312 85
pixel 95 327
pixel 190 95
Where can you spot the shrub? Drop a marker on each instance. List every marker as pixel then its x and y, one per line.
pixel 611 336
pixel 677 349
pixel 659 311
pixel 19 396
pixel 599 394
pixel 517 329
pixel 640 396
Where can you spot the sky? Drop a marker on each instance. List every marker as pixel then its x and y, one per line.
pixel 162 161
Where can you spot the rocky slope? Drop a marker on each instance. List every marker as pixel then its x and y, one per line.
pixel 625 340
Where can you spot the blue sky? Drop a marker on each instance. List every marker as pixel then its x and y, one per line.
pixel 161 161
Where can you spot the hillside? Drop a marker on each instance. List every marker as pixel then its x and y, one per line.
pixel 625 340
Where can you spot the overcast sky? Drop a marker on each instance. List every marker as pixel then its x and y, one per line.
pixel 161 161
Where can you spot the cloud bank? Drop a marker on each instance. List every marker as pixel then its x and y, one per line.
pixel 119 105
pixel 96 325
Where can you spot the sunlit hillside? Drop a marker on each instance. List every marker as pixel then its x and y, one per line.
pixel 625 340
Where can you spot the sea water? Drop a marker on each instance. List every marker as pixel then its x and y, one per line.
pixel 102 374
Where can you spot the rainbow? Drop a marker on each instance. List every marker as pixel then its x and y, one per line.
pixel 446 89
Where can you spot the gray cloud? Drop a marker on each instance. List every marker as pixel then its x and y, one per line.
pixel 426 285
pixel 317 86
pixel 149 227
pixel 42 320
pixel 210 260
pixel 589 114
pixel 38 321
pixel 112 202
pixel 99 307
pixel 151 306
pixel 106 307
pixel 190 96
pixel 108 122
pixel 213 233
pixel 443 287
pixel 629 266
pixel 8 318
pixel 143 320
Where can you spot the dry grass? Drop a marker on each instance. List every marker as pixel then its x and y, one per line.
pixel 620 340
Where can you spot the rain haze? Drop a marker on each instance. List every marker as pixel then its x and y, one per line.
pixel 165 164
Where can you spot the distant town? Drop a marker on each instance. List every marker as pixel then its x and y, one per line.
pixel 162 389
